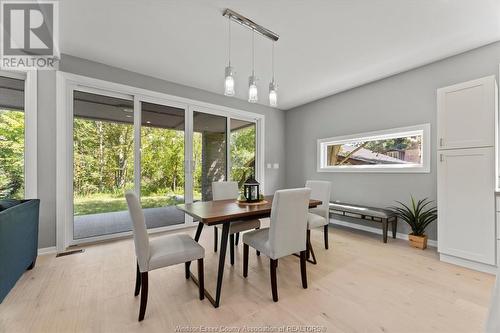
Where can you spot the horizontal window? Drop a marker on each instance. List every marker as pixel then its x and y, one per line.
pixel 394 150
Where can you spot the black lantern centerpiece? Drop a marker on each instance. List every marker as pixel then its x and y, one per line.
pixel 251 190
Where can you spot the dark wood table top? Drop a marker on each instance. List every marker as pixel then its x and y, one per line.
pixel 217 212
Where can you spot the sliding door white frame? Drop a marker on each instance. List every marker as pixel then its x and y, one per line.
pixel 67 82
pixel 30 129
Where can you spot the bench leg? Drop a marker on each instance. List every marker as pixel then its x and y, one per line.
pixel 384 230
pixel 394 228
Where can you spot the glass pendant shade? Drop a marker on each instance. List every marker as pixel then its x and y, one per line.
pixel 229 82
pixel 252 90
pixel 273 94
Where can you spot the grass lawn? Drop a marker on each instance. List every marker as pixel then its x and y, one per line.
pixel 105 203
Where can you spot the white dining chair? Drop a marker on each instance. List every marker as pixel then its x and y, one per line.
pixel 285 236
pixel 229 191
pixel 318 216
pixel 160 252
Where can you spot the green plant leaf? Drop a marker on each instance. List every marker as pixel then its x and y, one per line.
pixel 417 215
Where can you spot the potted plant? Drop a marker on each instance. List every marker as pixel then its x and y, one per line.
pixel 418 216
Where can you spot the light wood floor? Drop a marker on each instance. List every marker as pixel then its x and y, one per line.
pixel 359 285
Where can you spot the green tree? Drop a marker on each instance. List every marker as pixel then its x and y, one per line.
pixel 11 153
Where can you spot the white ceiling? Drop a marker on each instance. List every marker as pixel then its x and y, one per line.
pixel 326 46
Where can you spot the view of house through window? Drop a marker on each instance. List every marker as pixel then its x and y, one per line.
pixel 406 150
pixel 12 138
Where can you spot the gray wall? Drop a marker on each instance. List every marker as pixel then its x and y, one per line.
pixel 274 128
pixel 401 100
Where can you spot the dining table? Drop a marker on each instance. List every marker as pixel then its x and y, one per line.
pixel 225 212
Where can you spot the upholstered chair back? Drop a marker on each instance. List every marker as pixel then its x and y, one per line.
pixel 225 190
pixel 287 234
pixel 320 190
pixel 141 237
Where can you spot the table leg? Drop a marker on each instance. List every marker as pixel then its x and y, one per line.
pixel 196 238
pixel 222 259
pixel 198 231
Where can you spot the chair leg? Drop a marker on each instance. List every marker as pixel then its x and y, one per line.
pixel 257 252
pixel 186 269
pixel 310 250
pixel 144 295
pixel 201 279
pixel 308 240
pixel 303 268
pixel 394 228
pixel 274 284
pixel 216 234
pixel 325 234
pixel 245 260
pixel 231 248
pixel 237 239
pixel 137 282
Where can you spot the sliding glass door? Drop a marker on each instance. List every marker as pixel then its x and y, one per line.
pixel 243 150
pixel 167 152
pixel 162 164
pixel 103 163
pixel 224 148
pixel 209 153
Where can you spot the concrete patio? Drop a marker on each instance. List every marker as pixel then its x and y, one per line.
pixel 86 226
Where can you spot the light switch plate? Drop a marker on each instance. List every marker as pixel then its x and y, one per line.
pixel 269 165
pixel 276 166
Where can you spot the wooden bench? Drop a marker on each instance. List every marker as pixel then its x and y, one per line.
pixel 385 216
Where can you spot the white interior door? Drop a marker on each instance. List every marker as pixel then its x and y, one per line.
pixel 466 114
pixel 466 207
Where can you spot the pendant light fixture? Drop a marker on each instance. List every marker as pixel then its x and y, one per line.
pixel 273 94
pixel 253 96
pixel 252 79
pixel 229 81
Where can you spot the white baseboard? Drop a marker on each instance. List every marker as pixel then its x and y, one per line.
pixel 47 250
pixel 377 231
pixel 468 264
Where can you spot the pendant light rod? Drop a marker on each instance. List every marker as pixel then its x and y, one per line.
pixel 229 41
pixel 272 60
pixel 253 52
pixel 246 22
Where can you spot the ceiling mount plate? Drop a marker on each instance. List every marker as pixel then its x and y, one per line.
pixel 246 22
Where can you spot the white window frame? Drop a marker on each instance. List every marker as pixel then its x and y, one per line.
pixel 30 129
pixel 422 129
pixel 66 84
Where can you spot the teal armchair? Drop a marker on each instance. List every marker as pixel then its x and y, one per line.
pixel 18 240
